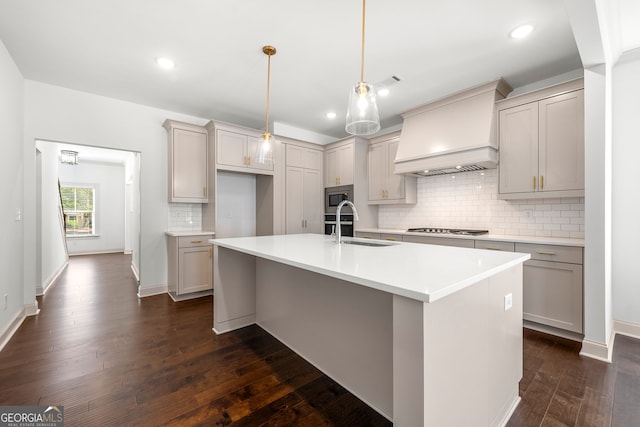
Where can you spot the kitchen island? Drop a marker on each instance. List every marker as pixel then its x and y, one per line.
pixel 426 335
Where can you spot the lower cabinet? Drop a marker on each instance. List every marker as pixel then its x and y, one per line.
pixel 553 277
pixel 553 286
pixel 190 264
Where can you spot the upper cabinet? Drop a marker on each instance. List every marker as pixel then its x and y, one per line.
pixel 303 157
pixel 188 167
pixel 386 187
pixel 338 165
pixel 236 150
pixel 541 137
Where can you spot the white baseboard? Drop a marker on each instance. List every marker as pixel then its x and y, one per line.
pixel 135 272
pixel 604 352
pixel 193 295
pixel 147 291
pixel 598 351
pixel 18 318
pixel 106 251
pixel 31 309
pixel 11 328
pixel 626 328
pixel 41 290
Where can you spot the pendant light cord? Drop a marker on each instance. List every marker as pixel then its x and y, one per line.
pixel 268 85
pixel 364 7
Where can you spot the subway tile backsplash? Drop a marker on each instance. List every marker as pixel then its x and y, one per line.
pixel 469 200
pixel 185 217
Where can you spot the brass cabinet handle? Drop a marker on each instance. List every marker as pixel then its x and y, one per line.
pixel 210 253
pixel 390 238
pixel 546 252
pixel 541 186
pixel 204 191
pixel 533 186
pixel 492 248
pixel 196 241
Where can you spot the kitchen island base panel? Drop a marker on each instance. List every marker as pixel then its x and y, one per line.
pixel 455 361
pixel 461 354
pixel 343 329
pixel 234 281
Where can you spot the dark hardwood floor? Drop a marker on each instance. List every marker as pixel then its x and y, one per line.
pixel 561 388
pixel 112 359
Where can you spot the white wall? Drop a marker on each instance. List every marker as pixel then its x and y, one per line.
pixel 235 205
pixel 132 207
pixel 11 177
pixel 626 195
pixel 53 256
pixel 469 200
pixel 108 179
pixel 58 114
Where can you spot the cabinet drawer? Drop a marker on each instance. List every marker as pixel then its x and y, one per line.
pixel 193 241
pixel 495 246
pixel 442 241
pixel 569 254
pixel 392 237
pixel 367 235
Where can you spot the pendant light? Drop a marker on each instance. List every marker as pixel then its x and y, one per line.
pixel 362 112
pixel 264 149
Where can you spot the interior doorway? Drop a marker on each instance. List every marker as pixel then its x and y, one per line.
pixel 87 202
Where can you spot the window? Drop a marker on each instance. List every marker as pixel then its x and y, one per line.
pixel 79 208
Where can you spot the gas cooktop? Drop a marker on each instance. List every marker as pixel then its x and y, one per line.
pixel 459 231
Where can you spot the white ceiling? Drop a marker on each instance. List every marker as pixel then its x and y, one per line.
pixel 435 47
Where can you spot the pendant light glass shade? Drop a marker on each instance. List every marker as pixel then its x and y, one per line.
pixel 362 112
pixel 264 148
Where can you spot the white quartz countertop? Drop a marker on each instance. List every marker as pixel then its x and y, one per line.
pixel 422 272
pixel 562 241
pixel 189 233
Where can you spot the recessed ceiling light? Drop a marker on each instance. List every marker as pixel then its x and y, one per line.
pixel 521 32
pixel 331 115
pixel 165 63
pixel 383 92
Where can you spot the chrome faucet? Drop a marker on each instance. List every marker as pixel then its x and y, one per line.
pixel 355 216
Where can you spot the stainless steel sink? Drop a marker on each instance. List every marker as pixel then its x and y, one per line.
pixel 363 243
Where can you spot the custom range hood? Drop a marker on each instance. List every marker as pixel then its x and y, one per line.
pixel 452 134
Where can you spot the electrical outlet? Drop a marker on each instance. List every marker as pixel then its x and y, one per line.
pixel 508 302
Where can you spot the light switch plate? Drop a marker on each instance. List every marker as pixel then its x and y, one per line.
pixel 508 302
